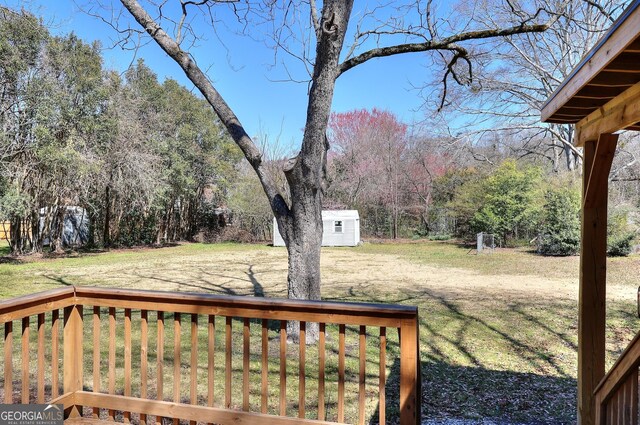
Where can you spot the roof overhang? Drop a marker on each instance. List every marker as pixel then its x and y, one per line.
pixel 602 94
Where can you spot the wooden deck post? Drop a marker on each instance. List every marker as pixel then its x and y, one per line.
pixel 410 382
pixel 597 160
pixel 72 362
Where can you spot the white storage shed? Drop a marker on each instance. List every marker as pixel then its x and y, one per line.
pixel 340 228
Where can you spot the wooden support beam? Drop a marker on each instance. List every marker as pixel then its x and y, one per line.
pixel 617 114
pixel 593 255
pixel 596 182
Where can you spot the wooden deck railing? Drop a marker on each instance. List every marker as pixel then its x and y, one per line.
pixel 145 366
pixel 617 394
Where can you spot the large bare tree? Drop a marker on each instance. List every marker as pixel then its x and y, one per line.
pixel 315 34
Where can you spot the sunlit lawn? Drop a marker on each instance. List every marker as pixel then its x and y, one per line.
pixel 488 351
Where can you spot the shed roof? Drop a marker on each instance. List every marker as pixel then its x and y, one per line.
pixel 331 214
pixel 611 68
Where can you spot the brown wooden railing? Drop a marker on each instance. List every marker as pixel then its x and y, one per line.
pixel 617 394
pixel 176 356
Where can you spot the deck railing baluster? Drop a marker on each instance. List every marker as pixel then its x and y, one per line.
pixel 382 377
pixel 176 361
pixel 112 356
pixel 193 393
pixel 362 374
pixel 25 360
pixel 144 359
pixel 40 379
pixel 245 365
pixel 8 362
pixel 628 400
pixel 96 356
pixel 127 360
pixel 160 362
pixel 613 411
pixel 283 368
pixel 633 398
pixel 301 369
pixel 55 352
pixel 341 343
pixel 227 363
pixel 211 363
pixel 264 384
pixel 321 367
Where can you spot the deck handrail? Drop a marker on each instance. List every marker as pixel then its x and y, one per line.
pixel 626 363
pixel 389 315
pixel 621 383
pixel 32 304
pixel 73 299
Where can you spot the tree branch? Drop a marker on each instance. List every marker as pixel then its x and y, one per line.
pixel 448 43
pixel 600 9
pixel 314 18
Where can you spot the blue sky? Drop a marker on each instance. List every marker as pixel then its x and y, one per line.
pixel 244 74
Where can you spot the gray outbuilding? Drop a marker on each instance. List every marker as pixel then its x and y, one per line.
pixel 76 226
pixel 339 228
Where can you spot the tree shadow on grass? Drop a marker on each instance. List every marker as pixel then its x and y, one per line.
pixel 476 392
pixel 505 360
pixel 199 285
pixel 215 283
pixel 258 289
pixel 468 392
pixel 59 280
pixel 522 338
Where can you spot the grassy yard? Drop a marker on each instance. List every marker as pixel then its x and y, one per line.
pixel 498 331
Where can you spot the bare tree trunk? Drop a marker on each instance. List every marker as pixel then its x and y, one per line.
pixel 45 231
pixel 106 234
pixel 168 223
pixel 91 237
pixel 59 230
pixel 304 276
pixel 160 228
pixel 36 232
pixel 118 222
pixel 571 158
pixel 303 240
pixel 15 235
